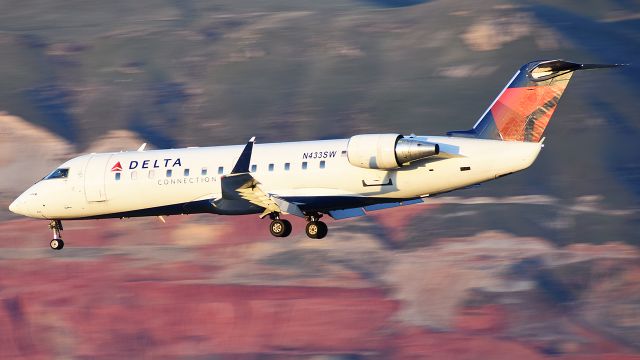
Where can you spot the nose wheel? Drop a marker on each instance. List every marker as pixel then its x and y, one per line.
pixel 56 243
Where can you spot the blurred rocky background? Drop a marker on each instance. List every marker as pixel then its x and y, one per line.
pixel 541 264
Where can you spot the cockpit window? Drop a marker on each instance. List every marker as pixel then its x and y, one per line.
pixel 58 174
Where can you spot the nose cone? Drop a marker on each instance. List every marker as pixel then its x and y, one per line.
pixel 31 203
pixel 15 206
pixel 24 205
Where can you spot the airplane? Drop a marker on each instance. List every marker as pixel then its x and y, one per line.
pixel 340 178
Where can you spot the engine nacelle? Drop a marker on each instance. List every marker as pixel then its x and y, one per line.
pixel 387 151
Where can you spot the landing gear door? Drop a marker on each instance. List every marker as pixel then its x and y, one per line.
pixel 94 177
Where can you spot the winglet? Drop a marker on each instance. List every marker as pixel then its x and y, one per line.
pixel 242 165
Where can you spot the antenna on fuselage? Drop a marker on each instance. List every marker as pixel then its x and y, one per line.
pixel 141 148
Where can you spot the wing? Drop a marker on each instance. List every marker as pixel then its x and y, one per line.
pixel 240 184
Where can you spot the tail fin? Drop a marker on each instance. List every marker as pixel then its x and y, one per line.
pixel 524 107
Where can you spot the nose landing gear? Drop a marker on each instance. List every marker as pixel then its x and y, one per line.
pixel 56 243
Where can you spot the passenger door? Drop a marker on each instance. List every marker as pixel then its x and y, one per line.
pixel 94 177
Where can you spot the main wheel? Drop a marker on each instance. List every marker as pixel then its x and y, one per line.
pixel 288 227
pixel 280 228
pixel 323 230
pixel 56 244
pixel 316 229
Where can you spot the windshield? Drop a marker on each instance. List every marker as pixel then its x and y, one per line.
pixel 58 174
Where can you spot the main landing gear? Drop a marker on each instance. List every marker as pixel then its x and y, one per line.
pixel 56 243
pixel 315 228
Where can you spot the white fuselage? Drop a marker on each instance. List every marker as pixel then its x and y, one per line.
pixel 96 187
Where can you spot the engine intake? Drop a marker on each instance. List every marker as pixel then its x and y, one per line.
pixel 387 151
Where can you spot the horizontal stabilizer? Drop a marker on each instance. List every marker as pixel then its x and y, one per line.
pixel 599 66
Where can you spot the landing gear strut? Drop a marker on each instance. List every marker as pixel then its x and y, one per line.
pixel 315 228
pixel 56 243
pixel 279 227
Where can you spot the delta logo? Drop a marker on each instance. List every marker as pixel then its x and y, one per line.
pixel 148 164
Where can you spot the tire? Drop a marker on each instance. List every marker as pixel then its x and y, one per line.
pixel 322 230
pixel 313 229
pixel 288 227
pixel 56 244
pixel 280 228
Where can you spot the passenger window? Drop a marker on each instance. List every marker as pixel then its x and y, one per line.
pixel 254 168
pixel 304 165
pixel 134 175
pixel 151 174
pixel 203 172
pixel 322 164
pixel 58 174
pixel 287 166
pixel 270 167
pixel 186 172
pixel 117 176
pixel 169 173
pixel 221 170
